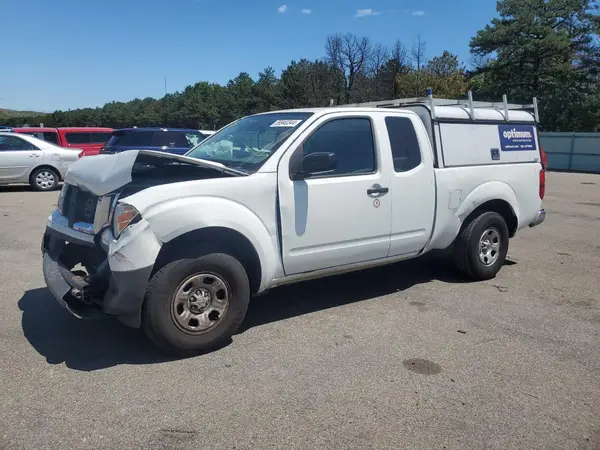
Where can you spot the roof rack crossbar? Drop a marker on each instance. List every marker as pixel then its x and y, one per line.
pixel 395 103
pixel 503 107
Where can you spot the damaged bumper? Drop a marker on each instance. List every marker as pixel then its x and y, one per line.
pixel 114 273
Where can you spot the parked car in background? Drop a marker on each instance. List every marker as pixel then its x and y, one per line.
pixel 26 159
pixel 171 140
pixel 89 139
pixel 4 128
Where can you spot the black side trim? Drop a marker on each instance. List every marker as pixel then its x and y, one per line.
pixel 492 164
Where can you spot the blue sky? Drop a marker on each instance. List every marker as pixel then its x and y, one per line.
pixel 66 54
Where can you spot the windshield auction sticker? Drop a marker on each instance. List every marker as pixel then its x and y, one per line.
pixel 285 123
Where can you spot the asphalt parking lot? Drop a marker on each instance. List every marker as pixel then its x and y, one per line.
pixel 406 356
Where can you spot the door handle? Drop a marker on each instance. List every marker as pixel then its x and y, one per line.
pixel 34 155
pixel 377 191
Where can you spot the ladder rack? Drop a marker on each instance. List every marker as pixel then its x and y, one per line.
pixel 469 103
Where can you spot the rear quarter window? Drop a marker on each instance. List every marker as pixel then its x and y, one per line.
pixel 132 138
pixel 47 136
pixel 51 137
pixel 171 139
pixel 100 138
pixel 78 137
pixel 405 145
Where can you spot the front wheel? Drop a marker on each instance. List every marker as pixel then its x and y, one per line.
pixel 44 179
pixel 195 305
pixel 482 245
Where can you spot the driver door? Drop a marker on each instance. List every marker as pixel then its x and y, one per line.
pixel 336 219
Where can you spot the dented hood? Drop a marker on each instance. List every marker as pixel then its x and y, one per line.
pixel 101 174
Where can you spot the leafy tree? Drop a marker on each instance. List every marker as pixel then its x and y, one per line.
pixel 267 90
pixel 415 84
pixel 310 83
pixel 543 48
pixel 444 65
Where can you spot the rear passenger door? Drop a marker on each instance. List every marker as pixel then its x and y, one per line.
pixel 336 219
pixel 412 186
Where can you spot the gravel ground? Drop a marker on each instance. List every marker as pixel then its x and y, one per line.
pixel 405 356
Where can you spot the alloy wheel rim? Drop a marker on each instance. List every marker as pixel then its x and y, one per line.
pixel 489 247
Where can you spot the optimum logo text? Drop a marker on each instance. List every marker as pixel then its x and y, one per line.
pixel 514 134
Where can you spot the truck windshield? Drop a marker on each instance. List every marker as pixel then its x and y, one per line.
pixel 249 142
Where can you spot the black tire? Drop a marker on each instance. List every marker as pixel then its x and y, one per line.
pixel 467 246
pixel 51 182
pixel 159 322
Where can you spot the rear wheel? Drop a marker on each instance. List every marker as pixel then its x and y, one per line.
pixel 44 179
pixel 482 245
pixel 196 305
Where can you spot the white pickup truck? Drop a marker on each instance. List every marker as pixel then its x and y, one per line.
pixel 177 245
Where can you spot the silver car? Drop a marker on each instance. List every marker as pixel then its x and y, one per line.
pixel 25 159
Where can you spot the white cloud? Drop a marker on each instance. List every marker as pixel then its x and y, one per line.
pixel 366 12
pixel 282 8
pixel 418 13
pixel 306 11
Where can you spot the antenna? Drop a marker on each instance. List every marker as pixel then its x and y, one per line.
pixel 165 84
pixel 471 109
pixel 431 102
pixel 536 112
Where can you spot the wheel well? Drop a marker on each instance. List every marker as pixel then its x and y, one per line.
pixel 213 239
pixel 46 166
pixel 503 208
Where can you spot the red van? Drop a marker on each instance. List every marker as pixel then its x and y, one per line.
pixel 89 139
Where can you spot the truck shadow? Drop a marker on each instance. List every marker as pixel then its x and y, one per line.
pixel 89 345
pixel 304 298
pixel 20 188
pixel 8 188
pixel 84 345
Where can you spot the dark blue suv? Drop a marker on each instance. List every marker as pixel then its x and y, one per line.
pixel 170 140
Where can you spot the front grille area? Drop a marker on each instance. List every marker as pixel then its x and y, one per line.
pixel 79 205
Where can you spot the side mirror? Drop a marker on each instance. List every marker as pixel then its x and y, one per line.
pixel 318 163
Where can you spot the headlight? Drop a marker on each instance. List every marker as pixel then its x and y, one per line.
pixel 61 199
pixel 102 216
pixel 124 216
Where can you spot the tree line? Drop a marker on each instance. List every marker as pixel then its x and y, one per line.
pixel 544 48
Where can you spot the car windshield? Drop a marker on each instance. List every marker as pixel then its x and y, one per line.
pixel 249 142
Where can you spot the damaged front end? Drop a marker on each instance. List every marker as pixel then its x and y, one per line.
pixel 101 276
pixel 98 251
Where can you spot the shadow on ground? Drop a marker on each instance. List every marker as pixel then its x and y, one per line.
pixel 89 345
pixel 307 297
pixel 18 188
pixel 8 188
pixel 81 344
